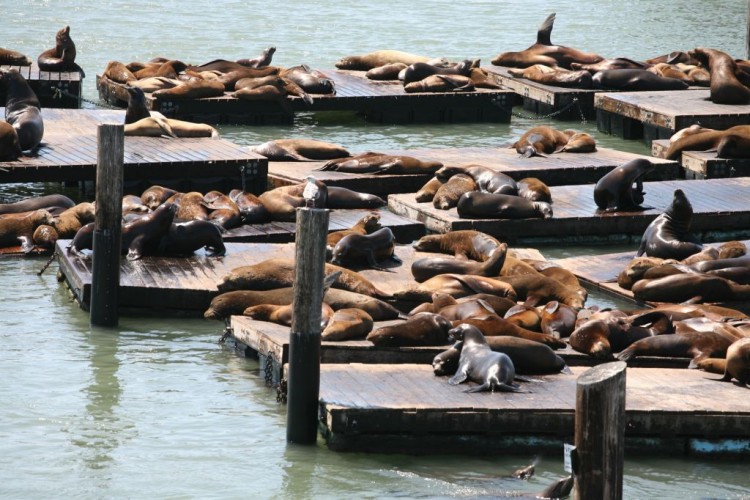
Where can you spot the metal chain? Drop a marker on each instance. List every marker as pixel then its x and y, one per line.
pixel 268 370
pixel 281 392
pixel 49 262
pixel 574 102
pixel 58 93
pixel 227 333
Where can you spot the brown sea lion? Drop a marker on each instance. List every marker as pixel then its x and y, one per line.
pixel 157 126
pixel 622 187
pixel 143 235
pixel 71 220
pixel 541 141
pixel 441 83
pixel 691 130
pixel 118 72
pixel 580 142
pixel 310 80
pixel 533 189
pixel 10 148
pixel 427 192
pixel 378 58
pixel 22 109
pixel 62 57
pixel 670 71
pixel 154 196
pixel 281 203
pixel 494 325
pixel 171 68
pixel 696 345
pixel 558 77
pixel 536 289
pixel 223 209
pixel 14 58
pixel 193 89
pixel 467 244
pixel 708 253
pixel 694 287
pixel 600 338
pixel 428 267
pixel 730 249
pixel 271 88
pixel 299 150
pixel 189 206
pixel 264 59
pixel 347 324
pixel 282 314
pixel 452 308
pixel 483 79
pixel 133 204
pixel 668 236
pixel 725 86
pixel 388 71
pixel 708 140
pixel 251 208
pixel 184 238
pixel 137 105
pixel 558 320
pixel 456 285
pixel 421 70
pixel 630 80
pixel 45 237
pixel 366 225
pixel 711 365
pixel 422 329
pixel 448 194
pixel 480 364
pixel 223 66
pixel 524 316
pixel 15 230
pixel 738 362
pixel 154 84
pixel 635 270
pixel 487 179
pixel 615 63
pixel 382 164
pixel 478 205
pixel 373 248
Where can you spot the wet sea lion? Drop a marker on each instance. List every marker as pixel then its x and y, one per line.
pixel 635 80
pixel 480 364
pixel 382 164
pixel 448 194
pixel 373 248
pixel 13 58
pixel 341 197
pixel 477 205
pixel 422 329
pixel 467 244
pixel 22 109
pixel 264 59
pixel 541 141
pixel 10 148
pixel 668 236
pixel 456 285
pixel 428 267
pixel 20 230
pixel 533 189
pixel 695 287
pixel 725 86
pixel 142 236
pixel 347 324
pixel 184 238
pixel 282 314
pixel 378 58
pixel 487 179
pixel 427 192
pixel 690 344
pixel 299 150
pixel 62 57
pixel 615 190
pixel 559 77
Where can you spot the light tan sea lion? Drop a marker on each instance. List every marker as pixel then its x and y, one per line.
pixel 347 324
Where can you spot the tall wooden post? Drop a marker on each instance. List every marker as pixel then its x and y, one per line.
pixel 747 33
pixel 600 432
pixel 105 271
pixel 304 343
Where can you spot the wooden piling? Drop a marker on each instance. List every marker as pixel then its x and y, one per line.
pixel 600 432
pixel 304 341
pixel 105 271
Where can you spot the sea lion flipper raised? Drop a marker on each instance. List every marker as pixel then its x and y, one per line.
pixel 544 35
pixel 461 376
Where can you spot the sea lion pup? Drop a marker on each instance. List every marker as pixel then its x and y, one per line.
pixel 264 59
pixel 282 314
pixel 635 80
pixel 299 150
pixel 488 179
pixel 693 287
pixel 456 285
pixel 542 141
pixel 373 248
pixel 738 362
pixel 465 244
pixel 448 194
pixel 533 189
pixel 559 77
pixel 480 364
pixel 382 164
pixel 62 57
pixel 22 109
pixel 14 58
pixel 15 230
pixel 378 58
pixel 422 329
pixel 347 324
pixel 725 86
pixel 706 140
pixel 278 273
pixel 427 192
pixel 668 236
pixel 615 190
pixel 478 205
pixel 366 225
pixel 543 52
pixel 428 267
pixel 193 89
pixel 693 344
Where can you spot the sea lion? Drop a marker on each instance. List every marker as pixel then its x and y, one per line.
pixel 71 220
pixel 341 197
pixel 668 235
pixel 157 126
pixel 278 273
pixel 83 240
pixel 14 58
pixel 689 344
pixel 299 150
pixel 543 52
pixel 382 164
pixel 421 70
pixel 427 192
pixel 454 309
pixel 137 105
pixel 604 64
pixel 264 59
pixel 738 362
pixel 270 88
pixel 154 196
pixel 171 69
pixel 467 244
pixel 456 285
pixel 143 235
pixel 670 71
pixel 635 270
pixel 480 364
pixel 694 287
pixel 62 57
pixel 22 109
pixel 154 84
pixel 524 316
pixel 691 130
pixel 282 314
pixel 709 139
pixel 541 141
pixel 118 73
pixel 558 319
pixel 10 148
pixel 366 225
pixel 422 329
pixel 223 209
pixel 615 190
pixel 580 142
pixel 378 58
pixel 312 81
pixel 717 263
pixel 45 237
pixel 441 83
pixel 373 249
pixel 635 80
pixel 251 208
pixel 558 77
pixel 533 189
pixel 184 238
pixel 494 325
pixel 448 194
pixel 189 206
pixel 535 289
pixel 15 230
pixel 388 71
pixel 600 338
pixel 478 205
pixel 487 179
pixel 428 267
pixel 725 86
pixel 282 202
pixel 192 89
pixel 731 249
pixel 347 324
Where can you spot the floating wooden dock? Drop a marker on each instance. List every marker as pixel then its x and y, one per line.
pixel 704 164
pixel 69 153
pixel 720 212
pixel 380 102
pixel 658 115
pixel 407 409
pixel 55 89
pixel 555 170
pixel 549 100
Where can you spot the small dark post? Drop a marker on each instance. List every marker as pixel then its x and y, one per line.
pixel 105 271
pixel 600 432
pixel 304 339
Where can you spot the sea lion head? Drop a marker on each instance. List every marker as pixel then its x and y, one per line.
pixel 543 208
pixel 680 211
pixel 467 333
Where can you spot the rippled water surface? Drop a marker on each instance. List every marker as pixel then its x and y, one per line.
pixel 157 408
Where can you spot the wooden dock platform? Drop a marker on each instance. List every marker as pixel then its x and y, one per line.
pixel 704 164
pixel 558 169
pixel 69 153
pixel 55 89
pixel 658 115
pixel 720 212
pixel 379 102
pixel 407 409
pixel 548 100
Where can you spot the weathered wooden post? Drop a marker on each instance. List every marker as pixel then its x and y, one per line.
pixel 105 270
pixel 600 432
pixel 304 342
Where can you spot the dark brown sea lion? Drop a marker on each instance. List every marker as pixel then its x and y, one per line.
pixel 725 86
pixel 366 225
pixel 616 190
pixel 310 80
pixel 714 264
pixel 382 164
pixel 22 109
pixel 427 192
pixel 536 289
pixel 347 324
pixel 71 220
pixel 558 320
pixel 299 150
pixel 118 72
pixel 378 58
pixel 137 105
pixel 541 141
pixel 386 72
pixel 14 58
pixel 616 63
pixel 480 364
pixel 635 80
pixel 524 316
pixel 184 238
pixel 83 240
pixel 421 70
pixel 62 57
pixel 696 345
pixel 694 287
pixel 251 208
pixel 154 196
pixel 373 249
pixel 193 89
pixel 543 52
pixel 422 329
pixel 20 230
pixel 494 325
pixel 708 140
pixel 171 68
pixel 45 237
pixel 441 83
pixel 533 189
pixel 223 210
pixel 10 148
pixel 738 362
pixel 478 205
pixel 283 314
pixel 189 206
pixel 428 267
pixel 143 235
pixel 600 338
pixel 448 194
pixel 580 142
pixel 559 77
pixel 487 179
pixel 264 59
pixel 668 236
pixel 456 285
pixel 467 244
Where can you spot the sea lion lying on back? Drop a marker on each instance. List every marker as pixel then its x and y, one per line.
pixel 299 150
pixel 377 58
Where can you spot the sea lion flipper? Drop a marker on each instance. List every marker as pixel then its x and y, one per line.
pixel 480 388
pixel 27 244
pixel 544 34
pixel 461 376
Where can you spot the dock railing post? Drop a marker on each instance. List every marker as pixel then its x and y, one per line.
pixel 303 384
pixel 600 432
pixel 105 269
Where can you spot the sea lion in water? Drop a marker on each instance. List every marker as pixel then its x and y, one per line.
pixel 22 109
pixel 378 58
pixel 299 150
pixel 422 329
pixel 668 235
pixel 725 86
pixel 466 244
pixel 478 205
pixel 428 267
pixel 480 364
pixel 615 191
pixel 63 56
